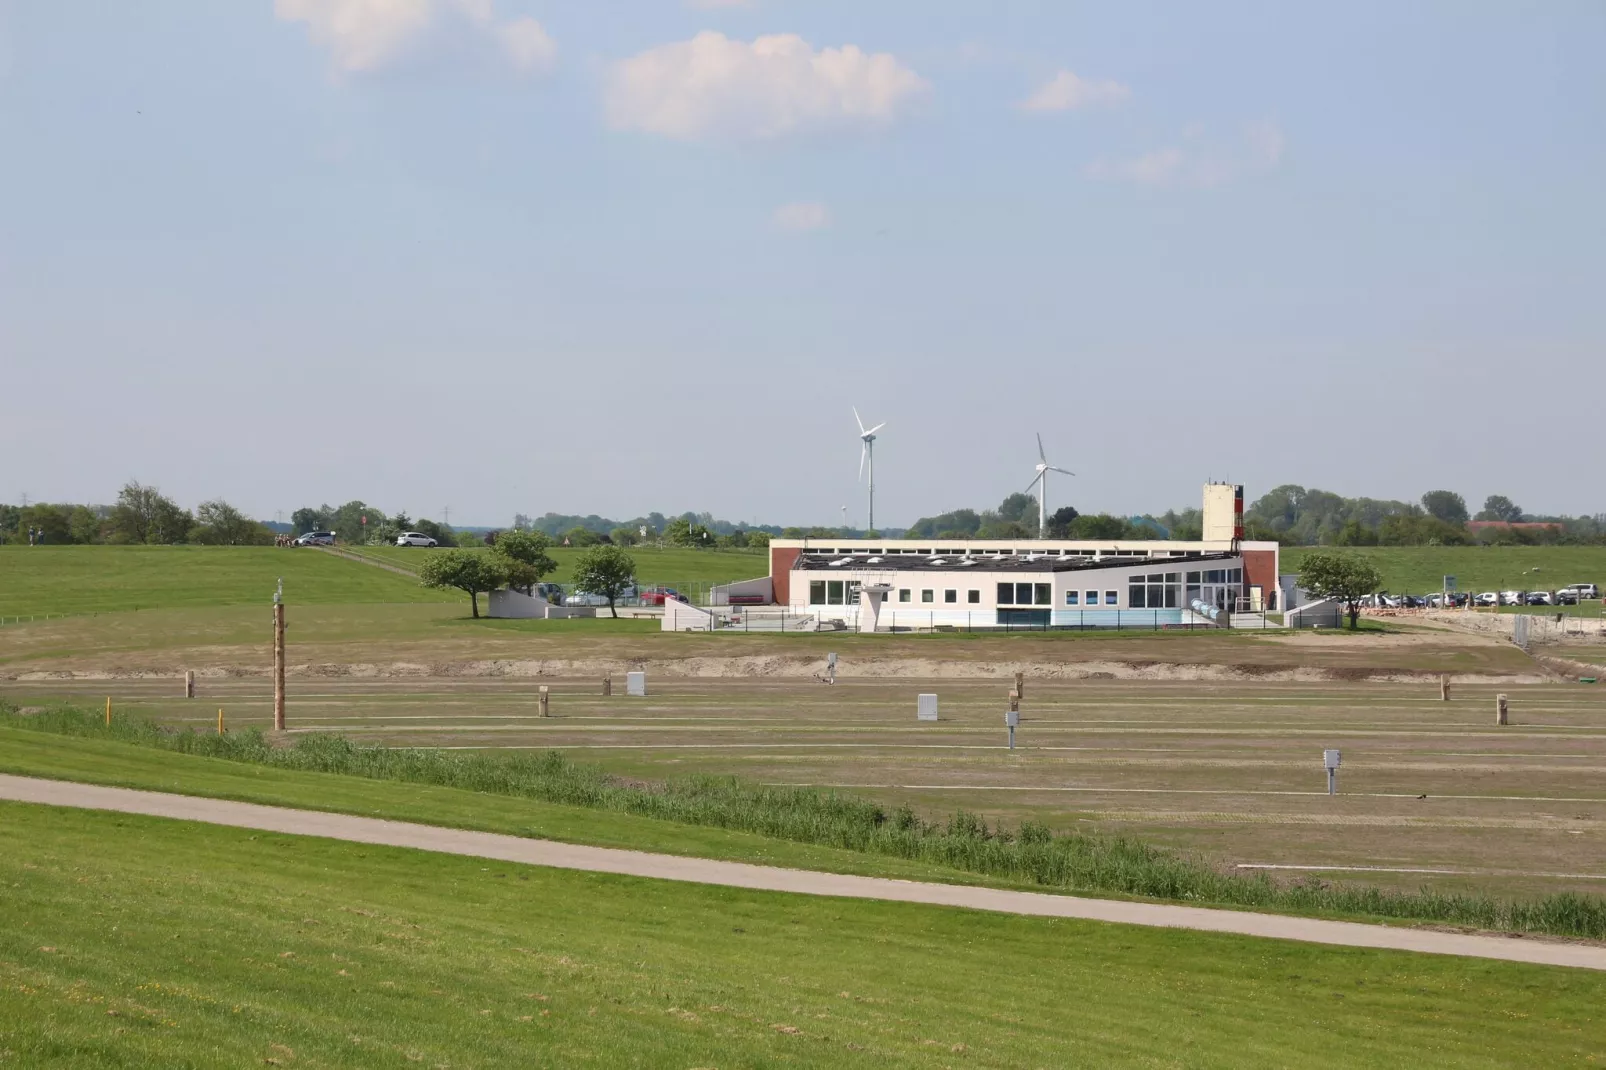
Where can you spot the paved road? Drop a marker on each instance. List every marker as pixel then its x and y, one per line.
pixel 768 878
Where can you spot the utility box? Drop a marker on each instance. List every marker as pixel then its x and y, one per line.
pixel 1012 719
pixel 636 684
pixel 926 708
pixel 1332 759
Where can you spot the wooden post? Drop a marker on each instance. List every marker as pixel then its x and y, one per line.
pixel 108 711
pixel 1020 685
pixel 189 683
pixel 220 722
pixel 1444 689
pixel 1014 702
pixel 278 666
pixel 607 684
pixel 1501 710
pixel 542 701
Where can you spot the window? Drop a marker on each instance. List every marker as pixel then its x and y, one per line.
pixel 1112 598
pixel 816 592
pixel 975 597
pixel 1070 598
pixel 1023 594
pixel 927 595
pixel 1092 598
pixel 1006 594
pixel 950 595
pixel 903 594
pixel 1136 596
pixel 833 595
pixel 1044 594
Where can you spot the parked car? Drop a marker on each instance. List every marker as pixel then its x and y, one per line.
pixel 586 598
pixel 316 538
pixel 1567 597
pixel 1539 598
pixel 415 538
pixel 1488 598
pixel 1511 598
pixel 1583 590
pixel 657 596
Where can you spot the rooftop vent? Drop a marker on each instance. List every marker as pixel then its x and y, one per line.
pixel 872 560
pixel 935 561
pixel 839 562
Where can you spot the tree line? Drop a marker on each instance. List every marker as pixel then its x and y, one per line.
pixel 142 515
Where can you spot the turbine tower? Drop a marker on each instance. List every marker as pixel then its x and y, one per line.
pixel 1041 483
pixel 867 463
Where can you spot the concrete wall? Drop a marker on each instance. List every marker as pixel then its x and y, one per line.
pixel 1223 512
pixel 516 605
pixel 680 617
pixel 763 586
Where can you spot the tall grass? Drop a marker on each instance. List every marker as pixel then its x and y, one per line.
pixel 1029 853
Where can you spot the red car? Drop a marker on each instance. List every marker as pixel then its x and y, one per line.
pixel 657 596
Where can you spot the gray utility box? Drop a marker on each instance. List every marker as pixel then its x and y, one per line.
pixel 926 708
pixel 636 684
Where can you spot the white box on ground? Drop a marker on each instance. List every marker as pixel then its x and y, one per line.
pixel 1331 759
pixel 926 708
pixel 636 684
pixel 1012 718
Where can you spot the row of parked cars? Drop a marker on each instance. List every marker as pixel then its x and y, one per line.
pixel 1569 595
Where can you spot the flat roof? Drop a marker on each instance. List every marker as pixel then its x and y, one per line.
pixel 1001 563
pixel 934 544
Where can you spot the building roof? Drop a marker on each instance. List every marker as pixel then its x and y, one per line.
pixel 999 563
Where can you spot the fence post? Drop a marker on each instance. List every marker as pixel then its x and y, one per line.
pixel 541 701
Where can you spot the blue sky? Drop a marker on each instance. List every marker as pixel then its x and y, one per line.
pixel 617 257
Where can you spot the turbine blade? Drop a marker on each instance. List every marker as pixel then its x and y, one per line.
pixel 1063 471
pixel 1033 483
pixel 857 420
pixel 876 428
pixel 863 453
pixel 1040 454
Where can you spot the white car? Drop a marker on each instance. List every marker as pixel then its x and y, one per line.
pixel 415 538
pixel 1487 598
pixel 586 598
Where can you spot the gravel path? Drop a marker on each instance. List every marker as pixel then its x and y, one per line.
pixel 768 878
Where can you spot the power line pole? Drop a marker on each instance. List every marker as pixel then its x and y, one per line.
pixel 446 516
pixel 278 658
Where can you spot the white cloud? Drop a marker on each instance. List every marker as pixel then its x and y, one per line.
pixel 1066 91
pixel 368 36
pixel 713 86
pixel 1198 161
pixel 802 215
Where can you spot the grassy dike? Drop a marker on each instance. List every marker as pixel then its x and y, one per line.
pixel 964 844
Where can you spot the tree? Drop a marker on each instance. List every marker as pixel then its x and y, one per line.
pixel 348 526
pixel 221 524
pixel 1343 577
pixel 1354 533
pixel 624 536
pixel 85 524
pixel 578 536
pixel 443 535
pixel 1021 508
pixel 1060 520
pixel 605 570
pixel 53 522
pixel 1446 505
pixel 467 570
pixel 1102 526
pixel 308 519
pixel 1500 507
pixel 525 557
pixel 143 514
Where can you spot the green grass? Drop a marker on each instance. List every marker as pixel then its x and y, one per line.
pixel 653 566
pixel 1421 569
pixel 104 579
pixel 135 941
pixel 1028 854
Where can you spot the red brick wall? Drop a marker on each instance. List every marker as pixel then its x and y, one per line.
pixel 782 558
pixel 1260 570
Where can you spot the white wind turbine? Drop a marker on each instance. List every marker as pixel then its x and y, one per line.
pixel 867 462
pixel 1041 483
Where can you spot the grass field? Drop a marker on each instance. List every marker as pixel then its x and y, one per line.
pixel 1421 569
pixel 653 566
pixel 1228 771
pixel 140 941
pixel 110 579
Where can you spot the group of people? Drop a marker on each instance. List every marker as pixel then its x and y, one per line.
pixel 284 540
pixel 36 536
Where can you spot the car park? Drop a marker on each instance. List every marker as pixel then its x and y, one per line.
pixel 316 538
pixel 415 538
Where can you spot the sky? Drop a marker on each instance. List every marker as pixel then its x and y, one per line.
pixel 506 256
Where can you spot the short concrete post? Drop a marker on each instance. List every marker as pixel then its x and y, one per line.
pixel 189 683
pixel 1014 702
pixel 607 684
pixel 1444 689
pixel 1501 710
pixel 1020 685
pixel 543 700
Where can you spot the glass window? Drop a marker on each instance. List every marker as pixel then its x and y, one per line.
pixel 1173 577
pixel 950 595
pixel 1044 593
pixel 975 597
pixel 1135 596
pixel 1023 594
pixel 1006 594
pixel 816 592
pixel 833 594
pixel 1092 598
pixel 903 594
pixel 927 595
pixel 1193 577
pixel 1112 598
pixel 1237 576
pixel 1070 598
pixel 1173 594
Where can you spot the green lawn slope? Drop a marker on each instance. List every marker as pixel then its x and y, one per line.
pixel 105 579
pixel 1421 569
pixel 134 941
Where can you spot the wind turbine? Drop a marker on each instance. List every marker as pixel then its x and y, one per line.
pixel 867 462
pixel 1041 483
